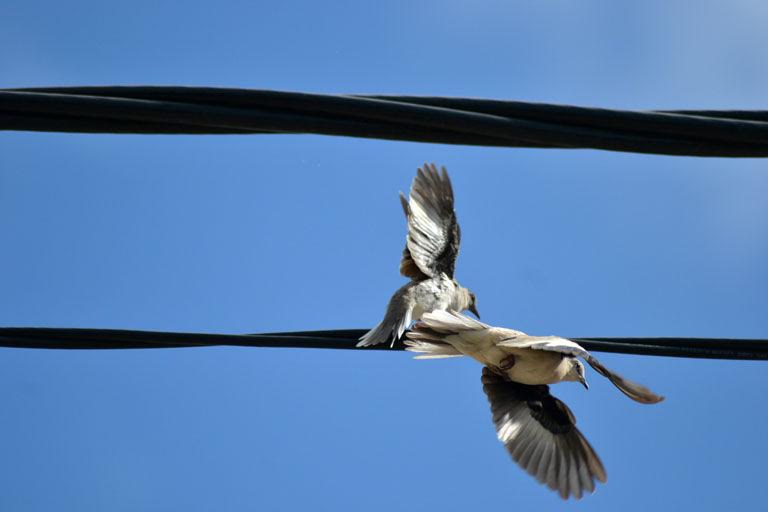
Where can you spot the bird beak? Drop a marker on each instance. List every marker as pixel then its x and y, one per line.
pixel 583 381
pixel 473 309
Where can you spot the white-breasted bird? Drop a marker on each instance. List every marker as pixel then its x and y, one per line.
pixel 538 430
pixel 429 259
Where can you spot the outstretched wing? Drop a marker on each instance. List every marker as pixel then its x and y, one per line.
pixel 633 390
pixel 433 240
pixel 539 432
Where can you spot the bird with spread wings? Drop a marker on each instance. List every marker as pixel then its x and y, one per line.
pixel 429 259
pixel 538 430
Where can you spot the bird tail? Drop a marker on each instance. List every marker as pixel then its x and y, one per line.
pixel 430 349
pixel 396 321
pixel 428 336
pixel 449 322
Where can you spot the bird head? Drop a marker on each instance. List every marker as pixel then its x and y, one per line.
pixel 576 372
pixel 472 306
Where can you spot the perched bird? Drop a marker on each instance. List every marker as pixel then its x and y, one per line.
pixel 538 430
pixel 429 259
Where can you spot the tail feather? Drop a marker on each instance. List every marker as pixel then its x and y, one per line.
pixel 446 322
pixel 391 329
pixel 429 350
pixel 428 336
pixel 421 332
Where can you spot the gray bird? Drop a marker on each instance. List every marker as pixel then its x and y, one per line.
pixel 429 259
pixel 538 430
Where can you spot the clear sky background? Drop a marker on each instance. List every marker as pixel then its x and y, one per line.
pixel 239 234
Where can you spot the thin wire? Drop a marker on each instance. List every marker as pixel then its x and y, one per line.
pixel 198 110
pixel 85 339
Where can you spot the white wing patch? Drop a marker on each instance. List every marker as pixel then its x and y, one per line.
pixel 548 343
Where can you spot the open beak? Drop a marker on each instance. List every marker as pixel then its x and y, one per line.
pixel 473 309
pixel 584 382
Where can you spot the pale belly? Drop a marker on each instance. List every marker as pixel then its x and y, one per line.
pixel 538 367
pixel 530 366
pixel 431 295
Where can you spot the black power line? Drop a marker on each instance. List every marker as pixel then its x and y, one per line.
pixel 200 110
pixel 55 338
pixel 197 110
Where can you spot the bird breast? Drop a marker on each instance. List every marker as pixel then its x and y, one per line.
pixel 537 366
pixel 436 293
pixel 530 366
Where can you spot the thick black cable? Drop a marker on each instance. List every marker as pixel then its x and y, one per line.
pixel 191 110
pixel 83 339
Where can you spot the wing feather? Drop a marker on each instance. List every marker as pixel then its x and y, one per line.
pixel 633 390
pixel 540 434
pixel 434 236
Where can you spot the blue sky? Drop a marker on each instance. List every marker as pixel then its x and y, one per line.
pixel 270 233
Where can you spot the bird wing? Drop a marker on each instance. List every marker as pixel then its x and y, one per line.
pixel 433 240
pixel 539 432
pixel 633 390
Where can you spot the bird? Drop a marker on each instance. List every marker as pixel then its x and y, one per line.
pixel 429 259
pixel 538 430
